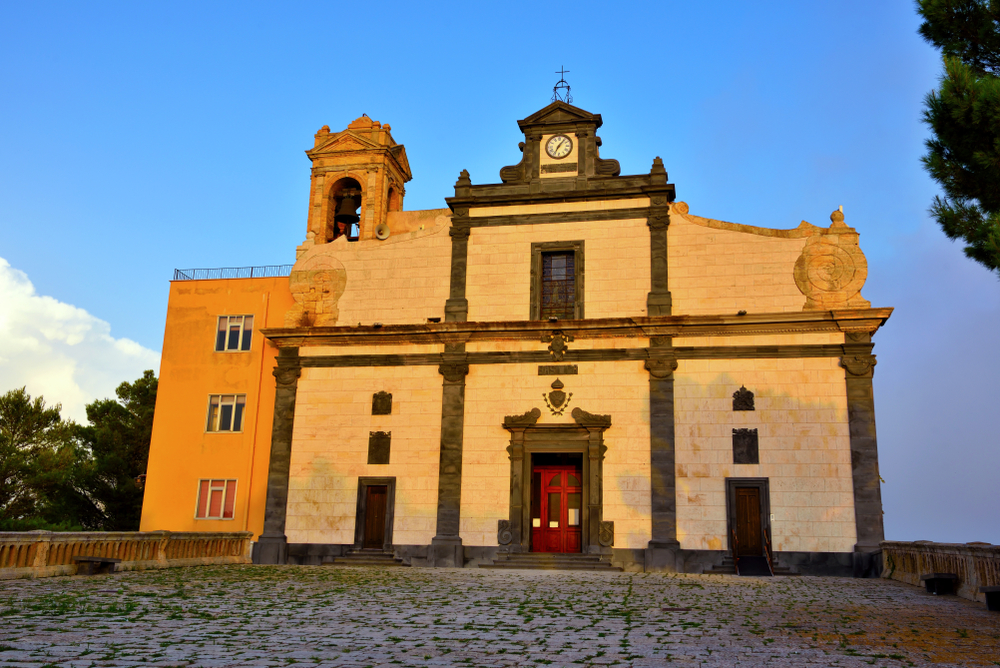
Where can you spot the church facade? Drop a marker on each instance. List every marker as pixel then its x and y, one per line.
pixel 567 361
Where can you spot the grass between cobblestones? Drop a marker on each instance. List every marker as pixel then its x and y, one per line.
pixel 349 616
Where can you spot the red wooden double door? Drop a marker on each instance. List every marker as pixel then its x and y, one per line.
pixel 556 509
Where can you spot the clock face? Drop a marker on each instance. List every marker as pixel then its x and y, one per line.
pixel 559 146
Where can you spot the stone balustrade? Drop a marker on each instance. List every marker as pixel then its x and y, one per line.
pixel 35 554
pixel 976 564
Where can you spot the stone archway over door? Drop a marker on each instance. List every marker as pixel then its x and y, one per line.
pixel 527 437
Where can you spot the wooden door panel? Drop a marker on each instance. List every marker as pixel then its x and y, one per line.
pixel 554 489
pixel 748 529
pixel 572 541
pixel 375 517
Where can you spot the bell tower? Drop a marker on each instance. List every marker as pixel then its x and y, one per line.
pixel 358 177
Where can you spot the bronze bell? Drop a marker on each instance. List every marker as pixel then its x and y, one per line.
pixel 346 212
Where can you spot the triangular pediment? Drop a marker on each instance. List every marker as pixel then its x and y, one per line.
pixel 347 141
pixel 399 153
pixel 559 113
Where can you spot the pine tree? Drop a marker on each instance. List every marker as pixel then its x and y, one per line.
pixel 118 438
pixel 964 115
pixel 42 467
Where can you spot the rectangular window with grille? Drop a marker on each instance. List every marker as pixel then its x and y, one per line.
pixel 557 280
pixel 225 412
pixel 216 500
pixel 234 333
pixel 558 285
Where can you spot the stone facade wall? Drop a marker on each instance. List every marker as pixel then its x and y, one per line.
pixel 725 271
pixel 804 446
pixel 333 421
pixel 403 279
pixel 616 268
pixel 620 389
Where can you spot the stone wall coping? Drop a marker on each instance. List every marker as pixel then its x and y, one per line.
pixel 34 536
pixel 975 548
pixel 33 554
pixel 976 565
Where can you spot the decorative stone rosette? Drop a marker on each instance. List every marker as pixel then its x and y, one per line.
pixel 317 282
pixel 832 269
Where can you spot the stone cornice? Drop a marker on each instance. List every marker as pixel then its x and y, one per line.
pixel 799 322
pixel 597 189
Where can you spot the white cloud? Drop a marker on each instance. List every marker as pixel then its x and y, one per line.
pixel 60 351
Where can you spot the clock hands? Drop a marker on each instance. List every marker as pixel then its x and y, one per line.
pixel 559 146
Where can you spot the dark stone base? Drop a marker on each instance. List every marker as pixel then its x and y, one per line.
pixel 270 550
pixel 650 560
pixel 868 564
pixel 314 554
pixel 446 553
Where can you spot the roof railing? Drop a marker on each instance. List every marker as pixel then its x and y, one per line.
pixel 266 271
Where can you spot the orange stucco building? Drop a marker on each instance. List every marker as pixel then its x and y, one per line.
pixel 192 370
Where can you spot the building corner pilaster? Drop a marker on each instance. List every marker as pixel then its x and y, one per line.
pixel 859 370
pixel 272 545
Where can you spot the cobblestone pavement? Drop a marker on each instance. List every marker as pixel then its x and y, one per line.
pixel 348 616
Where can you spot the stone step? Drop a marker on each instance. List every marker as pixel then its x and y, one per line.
pixel 727 567
pixel 550 555
pixel 551 567
pixel 552 561
pixel 365 558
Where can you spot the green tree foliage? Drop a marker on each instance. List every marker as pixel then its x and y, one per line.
pixel 40 464
pixel 964 115
pixel 58 475
pixel 118 438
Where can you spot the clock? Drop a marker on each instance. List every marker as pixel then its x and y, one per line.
pixel 558 147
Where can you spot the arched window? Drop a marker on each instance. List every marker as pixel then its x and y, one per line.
pixel 342 217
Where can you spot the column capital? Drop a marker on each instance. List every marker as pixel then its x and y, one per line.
pixel 859 365
pixel 660 368
pixel 454 372
pixel 286 376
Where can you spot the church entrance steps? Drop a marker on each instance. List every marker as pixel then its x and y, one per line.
pixel 366 558
pixel 748 566
pixel 551 561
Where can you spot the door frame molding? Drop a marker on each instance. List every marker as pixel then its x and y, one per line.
pixel 763 485
pixel 390 504
pixel 584 436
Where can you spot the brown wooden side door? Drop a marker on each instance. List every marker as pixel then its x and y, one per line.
pixel 375 503
pixel 748 529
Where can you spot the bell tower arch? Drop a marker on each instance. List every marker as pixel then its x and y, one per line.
pixel 358 177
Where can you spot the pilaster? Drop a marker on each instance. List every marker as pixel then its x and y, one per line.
pixel 659 301
pixel 446 546
pixel 859 367
pixel 272 546
pixel 661 365
pixel 456 308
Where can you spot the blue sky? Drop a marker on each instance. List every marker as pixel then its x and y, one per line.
pixel 140 137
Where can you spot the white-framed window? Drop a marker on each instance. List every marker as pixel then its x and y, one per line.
pixel 216 500
pixel 234 333
pixel 225 412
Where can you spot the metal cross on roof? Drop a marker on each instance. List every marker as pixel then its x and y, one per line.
pixel 562 85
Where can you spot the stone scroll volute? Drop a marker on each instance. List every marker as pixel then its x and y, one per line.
pixel 832 269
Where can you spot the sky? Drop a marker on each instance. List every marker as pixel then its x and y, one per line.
pixel 144 137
